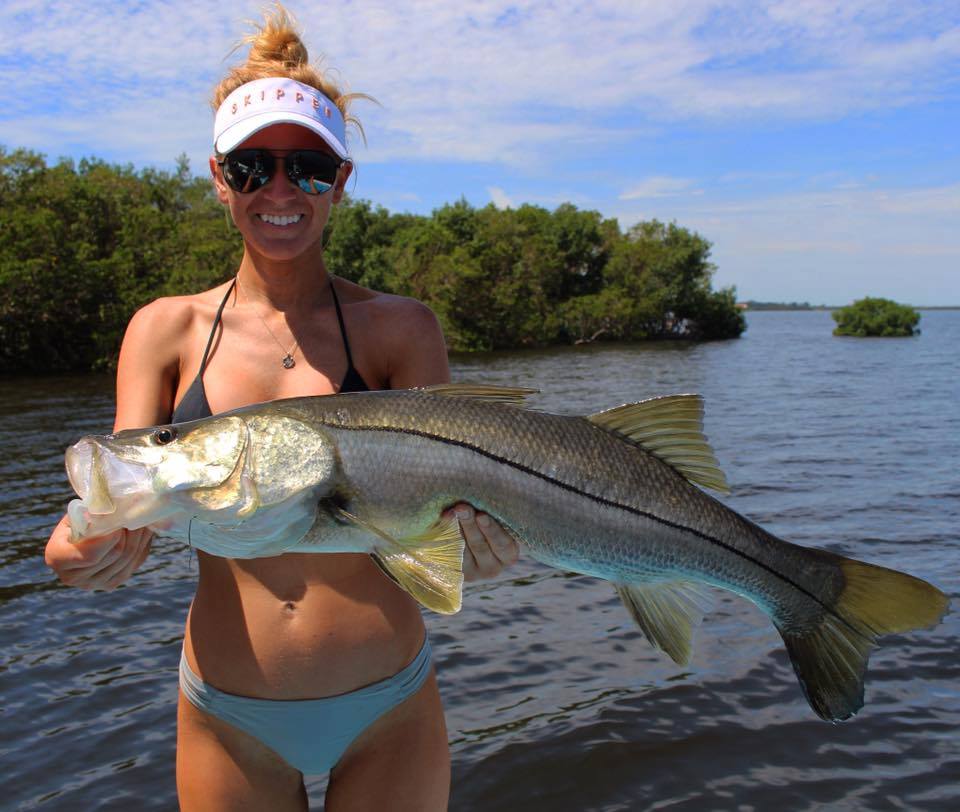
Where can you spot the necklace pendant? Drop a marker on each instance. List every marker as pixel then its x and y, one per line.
pixel 288 361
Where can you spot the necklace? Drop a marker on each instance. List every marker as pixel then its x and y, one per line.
pixel 287 361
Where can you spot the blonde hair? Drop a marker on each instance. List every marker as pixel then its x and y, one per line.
pixel 277 50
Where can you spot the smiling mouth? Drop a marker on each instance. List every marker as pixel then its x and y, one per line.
pixel 280 219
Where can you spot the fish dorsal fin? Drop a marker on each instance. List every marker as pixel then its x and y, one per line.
pixel 428 565
pixel 667 613
pixel 514 395
pixel 670 428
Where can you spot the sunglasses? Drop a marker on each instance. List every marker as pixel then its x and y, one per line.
pixel 312 171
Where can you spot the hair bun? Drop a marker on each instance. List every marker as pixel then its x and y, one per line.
pixel 278 45
pixel 277 50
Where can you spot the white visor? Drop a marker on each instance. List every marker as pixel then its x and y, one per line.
pixel 277 100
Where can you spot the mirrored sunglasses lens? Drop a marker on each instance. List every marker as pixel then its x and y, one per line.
pixel 314 186
pixel 247 170
pixel 313 172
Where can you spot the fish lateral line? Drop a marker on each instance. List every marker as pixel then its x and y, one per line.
pixel 607 502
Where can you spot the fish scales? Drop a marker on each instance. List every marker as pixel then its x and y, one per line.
pixel 608 495
pixel 602 491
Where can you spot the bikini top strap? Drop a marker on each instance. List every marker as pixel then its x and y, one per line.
pixel 213 330
pixel 343 328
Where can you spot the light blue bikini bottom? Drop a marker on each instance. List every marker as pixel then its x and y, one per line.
pixel 310 734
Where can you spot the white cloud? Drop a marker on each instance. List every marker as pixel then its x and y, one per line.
pixel 483 80
pixel 500 198
pixel 659 186
pixel 831 245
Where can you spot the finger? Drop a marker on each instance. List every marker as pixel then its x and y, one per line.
pixel 501 543
pixel 144 541
pixel 95 574
pixel 79 555
pixel 469 566
pixel 95 551
pixel 138 545
pixel 118 574
pixel 89 577
pixel 146 544
pixel 487 563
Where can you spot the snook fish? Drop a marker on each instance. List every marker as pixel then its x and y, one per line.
pixel 612 495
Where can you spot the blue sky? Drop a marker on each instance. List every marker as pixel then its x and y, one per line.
pixel 814 142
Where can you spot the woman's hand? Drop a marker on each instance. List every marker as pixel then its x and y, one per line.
pixel 489 547
pixel 103 562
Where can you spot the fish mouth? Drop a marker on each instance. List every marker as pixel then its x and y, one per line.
pixel 85 469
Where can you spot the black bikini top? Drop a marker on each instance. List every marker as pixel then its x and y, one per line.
pixel 194 403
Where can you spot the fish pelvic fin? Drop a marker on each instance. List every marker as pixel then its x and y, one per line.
pixel 670 428
pixel 512 395
pixel 667 612
pixel 428 565
pixel 830 660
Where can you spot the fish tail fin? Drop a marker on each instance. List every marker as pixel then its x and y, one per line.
pixel 830 659
pixel 428 566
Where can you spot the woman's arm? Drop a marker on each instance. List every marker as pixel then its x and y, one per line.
pixel 419 358
pixel 147 376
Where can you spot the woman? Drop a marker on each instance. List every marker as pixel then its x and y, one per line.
pixel 267 637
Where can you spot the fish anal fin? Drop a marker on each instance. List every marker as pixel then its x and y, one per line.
pixel 667 612
pixel 670 428
pixel 514 395
pixel 428 565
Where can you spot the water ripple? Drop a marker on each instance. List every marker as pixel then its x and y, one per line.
pixel 554 699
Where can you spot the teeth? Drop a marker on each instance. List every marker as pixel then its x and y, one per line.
pixel 281 219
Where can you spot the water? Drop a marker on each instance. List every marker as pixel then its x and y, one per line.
pixel 554 700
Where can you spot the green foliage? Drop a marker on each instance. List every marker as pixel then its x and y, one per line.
pixel 876 317
pixel 84 245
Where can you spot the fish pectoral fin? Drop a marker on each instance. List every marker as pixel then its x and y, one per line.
pixel 428 565
pixel 670 428
pixel 667 613
pixel 514 395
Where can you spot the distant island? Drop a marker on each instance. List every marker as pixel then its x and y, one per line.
pixel 876 317
pixel 750 304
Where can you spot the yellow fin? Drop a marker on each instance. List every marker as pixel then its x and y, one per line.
pixel 513 395
pixel 670 428
pixel 830 659
pixel 428 565
pixel 667 613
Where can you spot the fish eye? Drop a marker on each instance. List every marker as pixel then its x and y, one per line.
pixel 164 436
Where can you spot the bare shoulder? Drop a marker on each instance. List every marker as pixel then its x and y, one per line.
pixel 166 322
pixel 160 321
pixel 388 311
pixel 407 315
pixel 152 353
pixel 407 335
